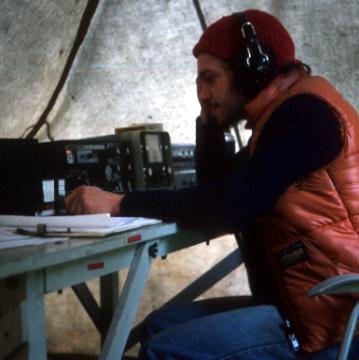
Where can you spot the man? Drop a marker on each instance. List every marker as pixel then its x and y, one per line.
pixel 296 184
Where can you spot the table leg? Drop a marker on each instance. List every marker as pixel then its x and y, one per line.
pixel 109 294
pixel 33 316
pixel 127 306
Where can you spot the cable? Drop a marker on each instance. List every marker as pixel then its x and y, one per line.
pixel 238 136
pixel 22 136
pixel 200 15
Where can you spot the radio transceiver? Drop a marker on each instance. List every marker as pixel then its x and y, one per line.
pixel 38 176
pixel 67 164
pixel 152 158
pixel 131 161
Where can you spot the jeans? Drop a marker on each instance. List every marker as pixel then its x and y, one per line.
pixel 223 330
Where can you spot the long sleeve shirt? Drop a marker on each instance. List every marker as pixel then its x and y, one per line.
pixel 302 135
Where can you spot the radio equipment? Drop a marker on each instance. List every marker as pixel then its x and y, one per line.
pixel 36 177
pixel 184 166
pixel 130 161
pixel 184 169
pixel 68 164
pixel 20 190
pixel 152 158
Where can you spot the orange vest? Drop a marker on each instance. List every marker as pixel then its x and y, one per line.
pixel 311 233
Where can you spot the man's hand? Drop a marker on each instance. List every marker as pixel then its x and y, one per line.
pixel 204 116
pixel 92 200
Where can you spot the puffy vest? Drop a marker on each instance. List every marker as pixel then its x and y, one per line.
pixel 311 233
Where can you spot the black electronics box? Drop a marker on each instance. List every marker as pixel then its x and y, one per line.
pixel 184 168
pixel 20 188
pixel 152 158
pixel 67 164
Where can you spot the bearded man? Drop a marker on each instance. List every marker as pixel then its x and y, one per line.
pixel 294 190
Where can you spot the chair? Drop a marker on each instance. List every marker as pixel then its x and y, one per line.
pixel 335 285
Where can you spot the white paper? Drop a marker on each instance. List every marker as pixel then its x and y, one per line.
pixel 75 221
pixel 119 224
pixel 116 225
pixel 10 240
pixel 97 225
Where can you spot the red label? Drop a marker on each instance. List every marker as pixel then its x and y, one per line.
pixel 134 238
pixel 95 266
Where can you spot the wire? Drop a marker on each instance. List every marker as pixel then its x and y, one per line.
pixel 25 131
pixel 48 131
pixel 200 15
pixel 238 136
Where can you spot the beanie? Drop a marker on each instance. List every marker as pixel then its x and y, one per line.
pixel 224 40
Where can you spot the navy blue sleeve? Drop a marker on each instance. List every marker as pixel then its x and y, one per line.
pixel 302 135
pixel 214 159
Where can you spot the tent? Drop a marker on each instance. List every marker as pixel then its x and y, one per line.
pixel 76 68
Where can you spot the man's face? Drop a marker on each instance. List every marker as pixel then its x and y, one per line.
pixel 219 99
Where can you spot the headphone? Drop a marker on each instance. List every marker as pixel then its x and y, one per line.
pixel 252 68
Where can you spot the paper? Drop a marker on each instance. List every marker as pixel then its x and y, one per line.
pixel 75 221
pixel 127 223
pixel 61 227
pixel 10 240
pixel 116 225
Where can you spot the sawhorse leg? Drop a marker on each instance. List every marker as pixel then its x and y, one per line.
pixel 33 316
pixel 109 294
pixel 120 327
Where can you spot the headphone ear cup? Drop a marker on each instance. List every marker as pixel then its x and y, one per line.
pixel 248 83
pixel 249 80
pixel 245 79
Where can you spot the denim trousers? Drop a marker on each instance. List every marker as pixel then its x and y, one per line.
pixel 223 329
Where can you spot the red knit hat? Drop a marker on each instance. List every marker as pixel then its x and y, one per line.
pixel 224 39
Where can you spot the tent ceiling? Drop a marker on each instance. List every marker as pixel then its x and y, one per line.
pixel 135 64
